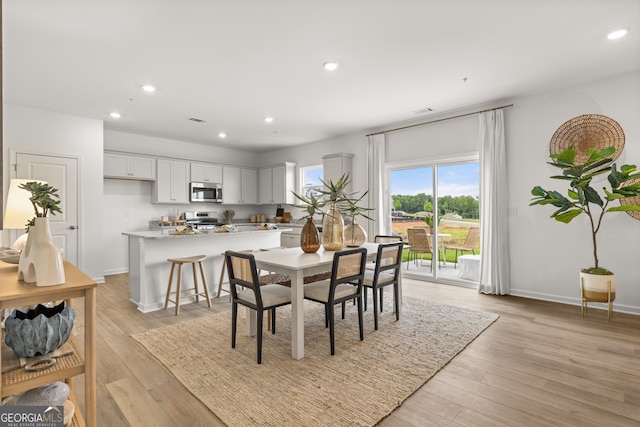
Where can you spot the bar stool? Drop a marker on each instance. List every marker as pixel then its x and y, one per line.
pixel 193 260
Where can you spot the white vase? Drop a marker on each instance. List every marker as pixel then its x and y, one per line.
pixel 41 260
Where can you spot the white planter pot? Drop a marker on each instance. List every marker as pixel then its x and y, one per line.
pixel 597 288
pixel 41 260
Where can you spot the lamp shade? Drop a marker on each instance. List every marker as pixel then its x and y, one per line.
pixel 19 209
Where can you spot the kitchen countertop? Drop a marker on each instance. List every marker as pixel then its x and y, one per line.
pixel 164 234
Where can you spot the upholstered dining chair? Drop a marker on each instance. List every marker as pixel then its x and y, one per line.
pixel 386 273
pixel 469 244
pixel 345 284
pixel 419 244
pixel 244 283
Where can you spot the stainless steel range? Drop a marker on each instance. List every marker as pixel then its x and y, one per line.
pixel 203 220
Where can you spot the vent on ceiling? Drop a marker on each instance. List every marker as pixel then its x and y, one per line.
pixel 423 111
pixel 193 119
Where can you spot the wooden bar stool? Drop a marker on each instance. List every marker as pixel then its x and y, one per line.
pixel 193 260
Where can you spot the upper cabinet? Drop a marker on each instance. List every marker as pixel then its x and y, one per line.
pixel 275 184
pixel 239 185
pixel 172 183
pixel 206 172
pixel 336 165
pixel 129 167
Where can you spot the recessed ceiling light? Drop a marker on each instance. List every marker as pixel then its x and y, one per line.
pixel 149 88
pixel 115 115
pixel 222 135
pixel 617 34
pixel 330 65
pixel 268 119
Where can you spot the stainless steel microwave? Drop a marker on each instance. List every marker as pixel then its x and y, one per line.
pixel 205 192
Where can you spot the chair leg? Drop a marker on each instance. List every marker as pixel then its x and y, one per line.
pixel 195 282
pixel 381 293
pixel 332 337
pixel 234 323
pixel 204 284
pixel 259 335
pixel 326 315
pixel 364 289
pixel 360 318
pixel 272 314
pixel 375 308
pixel 178 289
pixel 396 298
pixel 343 310
pixel 166 300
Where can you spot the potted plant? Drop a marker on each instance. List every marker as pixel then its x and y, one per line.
pixel 309 237
pixel 597 283
pixel 354 234
pixel 41 261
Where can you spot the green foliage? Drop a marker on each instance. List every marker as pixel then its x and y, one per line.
pixel 465 206
pixel 44 198
pixel 582 197
pixel 311 204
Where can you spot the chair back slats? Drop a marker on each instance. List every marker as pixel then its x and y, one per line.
pixel 242 270
pixel 386 239
pixel 348 267
pixel 389 256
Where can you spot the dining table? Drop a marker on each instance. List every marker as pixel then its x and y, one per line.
pixel 297 264
pixel 441 238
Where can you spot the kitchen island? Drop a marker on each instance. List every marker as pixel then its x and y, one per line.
pixel 149 250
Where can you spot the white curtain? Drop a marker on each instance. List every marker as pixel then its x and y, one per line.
pixel 377 201
pixel 494 231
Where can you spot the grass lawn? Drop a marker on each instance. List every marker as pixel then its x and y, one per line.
pixel 458 234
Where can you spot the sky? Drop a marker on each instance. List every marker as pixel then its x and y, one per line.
pixel 454 180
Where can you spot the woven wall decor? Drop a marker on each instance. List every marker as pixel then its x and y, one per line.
pixel 586 131
pixel 632 200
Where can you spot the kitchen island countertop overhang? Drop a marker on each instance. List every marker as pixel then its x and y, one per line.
pixel 149 250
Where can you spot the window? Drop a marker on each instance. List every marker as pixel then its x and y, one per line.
pixel 310 180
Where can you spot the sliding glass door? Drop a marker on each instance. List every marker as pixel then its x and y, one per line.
pixel 435 208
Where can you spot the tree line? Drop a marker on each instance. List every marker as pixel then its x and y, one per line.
pixel 465 206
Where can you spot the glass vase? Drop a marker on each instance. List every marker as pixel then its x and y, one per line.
pixel 309 237
pixel 332 230
pixel 354 235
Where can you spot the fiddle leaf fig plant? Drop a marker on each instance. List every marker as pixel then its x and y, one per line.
pixel 583 198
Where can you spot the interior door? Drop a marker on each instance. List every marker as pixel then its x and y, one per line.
pixel 61 173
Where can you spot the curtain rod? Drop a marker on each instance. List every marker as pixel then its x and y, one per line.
pixel 439 120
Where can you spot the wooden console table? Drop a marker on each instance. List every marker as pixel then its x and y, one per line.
pixel 15 293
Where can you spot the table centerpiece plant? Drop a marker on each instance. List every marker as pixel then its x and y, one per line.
pixel 309 237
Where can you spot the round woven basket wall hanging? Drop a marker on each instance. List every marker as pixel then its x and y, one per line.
pixel 632 200
pixel 588 131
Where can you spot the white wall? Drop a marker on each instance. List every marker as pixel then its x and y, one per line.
pixel 49 133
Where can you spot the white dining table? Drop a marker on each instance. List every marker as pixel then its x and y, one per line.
pixel 297 264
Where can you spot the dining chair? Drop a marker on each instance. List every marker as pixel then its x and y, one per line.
pixel 469 244
pixel 345 284
pixel 419 244
pixel 386 273
pixel 244 283
pixel 381 238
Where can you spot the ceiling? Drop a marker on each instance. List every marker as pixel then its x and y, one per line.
pixel 232 63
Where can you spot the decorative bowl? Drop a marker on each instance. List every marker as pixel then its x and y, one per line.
pixel 39 331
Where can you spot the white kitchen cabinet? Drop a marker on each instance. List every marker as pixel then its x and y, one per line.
pixel 172 182
pixel 239 185
pixel 336 165
pixel 124 166
pixel 206 172
pixel 275 184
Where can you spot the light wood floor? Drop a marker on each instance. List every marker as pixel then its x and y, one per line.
pixel 539 364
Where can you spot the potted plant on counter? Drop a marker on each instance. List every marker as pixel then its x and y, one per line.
pixel 596 282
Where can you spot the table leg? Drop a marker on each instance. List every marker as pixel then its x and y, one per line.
pixel 297 315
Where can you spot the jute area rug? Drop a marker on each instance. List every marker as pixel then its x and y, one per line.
pixel 359 386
